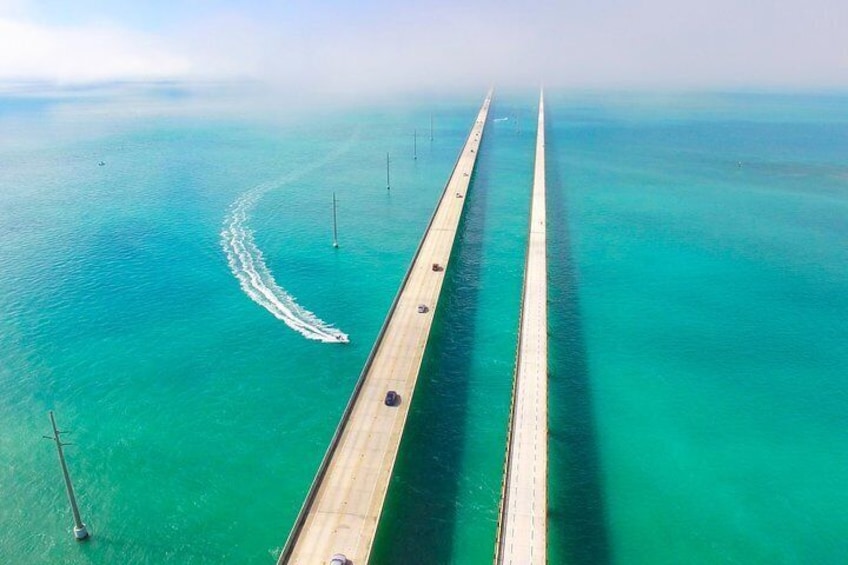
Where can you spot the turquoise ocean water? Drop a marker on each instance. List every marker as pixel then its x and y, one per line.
pixel 698 321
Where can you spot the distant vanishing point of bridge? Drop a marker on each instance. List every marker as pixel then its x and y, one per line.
pixel 342 510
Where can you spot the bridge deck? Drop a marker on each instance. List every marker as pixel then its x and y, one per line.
pixel 522 532
pixel 343 506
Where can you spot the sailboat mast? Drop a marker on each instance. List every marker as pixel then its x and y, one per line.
pixel 388 184
pixel 415 144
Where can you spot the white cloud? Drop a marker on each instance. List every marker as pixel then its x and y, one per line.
pixel 13 7
pixel 88 53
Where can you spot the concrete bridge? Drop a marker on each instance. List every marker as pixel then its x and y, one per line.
pixel 522 525
pixel 344 503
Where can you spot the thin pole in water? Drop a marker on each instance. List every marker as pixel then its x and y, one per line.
pixel 415 144
pixel 80 533
pixel 388 184
pixel 335 229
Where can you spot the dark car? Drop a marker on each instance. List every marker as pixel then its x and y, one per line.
pixel 392 398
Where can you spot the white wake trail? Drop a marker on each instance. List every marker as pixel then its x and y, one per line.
pixel 248 265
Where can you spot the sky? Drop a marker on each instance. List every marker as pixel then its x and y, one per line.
pixel 381 46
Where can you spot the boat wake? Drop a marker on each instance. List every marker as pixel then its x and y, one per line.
pixel 248 265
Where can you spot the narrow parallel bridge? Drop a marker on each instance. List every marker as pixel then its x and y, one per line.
pixel 522 524
pixel 344 502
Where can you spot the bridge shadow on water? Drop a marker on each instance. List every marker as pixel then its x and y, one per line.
pixel 577 522
pixel 419 515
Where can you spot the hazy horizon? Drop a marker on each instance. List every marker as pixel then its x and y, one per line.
pixel 377 48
